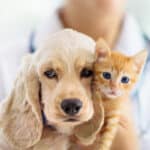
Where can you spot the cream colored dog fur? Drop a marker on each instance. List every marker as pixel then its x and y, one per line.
pixel 68 53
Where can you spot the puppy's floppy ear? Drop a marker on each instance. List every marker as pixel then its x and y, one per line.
pixel 20 114
pixel 86 133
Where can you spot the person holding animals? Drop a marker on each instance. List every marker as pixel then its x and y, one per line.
pixel 106 19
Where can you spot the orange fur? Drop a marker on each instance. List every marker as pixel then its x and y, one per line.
pixel 112 90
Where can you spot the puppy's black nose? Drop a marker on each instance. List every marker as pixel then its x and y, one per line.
pixel 71 106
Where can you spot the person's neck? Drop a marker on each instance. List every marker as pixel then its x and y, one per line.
pixel 94 25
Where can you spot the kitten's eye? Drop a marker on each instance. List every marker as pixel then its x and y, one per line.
pixel 51 74
pixel 125 79
pixel 107 75
pixel 86 73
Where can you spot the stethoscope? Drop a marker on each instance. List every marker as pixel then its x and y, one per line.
pixel 31 46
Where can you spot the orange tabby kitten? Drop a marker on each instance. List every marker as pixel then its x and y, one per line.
pixel 115 75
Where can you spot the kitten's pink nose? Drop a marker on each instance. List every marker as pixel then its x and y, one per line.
pixel 113 92
pixel 113 89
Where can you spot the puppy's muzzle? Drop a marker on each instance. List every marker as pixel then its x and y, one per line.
pixel 71 106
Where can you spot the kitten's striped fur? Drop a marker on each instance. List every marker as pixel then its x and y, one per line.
pixel 114 91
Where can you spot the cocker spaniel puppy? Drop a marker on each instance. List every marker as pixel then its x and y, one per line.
pixel 51 100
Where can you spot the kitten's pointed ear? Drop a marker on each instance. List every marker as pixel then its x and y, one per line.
pixel 140 59
pixel 102 50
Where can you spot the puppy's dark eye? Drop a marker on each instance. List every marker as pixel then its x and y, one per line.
pixel 107 75
pixel 86 73
pixel 50 74
pixel 125 79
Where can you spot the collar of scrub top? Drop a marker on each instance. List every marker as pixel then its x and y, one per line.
pixel 129 33
pixel 125 43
